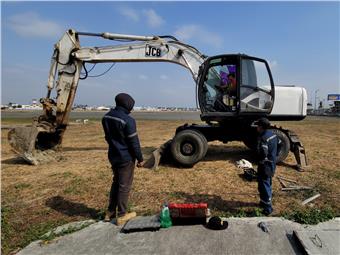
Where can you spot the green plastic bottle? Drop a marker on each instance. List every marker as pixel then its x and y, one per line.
pixel 165 217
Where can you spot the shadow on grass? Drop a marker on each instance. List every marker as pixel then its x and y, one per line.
pixel 228 153
pixel 14 161
pixel 70 208
pixel 214 202
pixel 20 161
pixel 292 166
pixel 84 149
pixel 214 153
pixel 218 153
pixel 146 150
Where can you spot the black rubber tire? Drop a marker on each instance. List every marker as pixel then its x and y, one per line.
pixel 250 142
pixel 196 140
pixel 285 145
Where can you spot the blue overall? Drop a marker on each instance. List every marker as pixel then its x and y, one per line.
pixel 267 152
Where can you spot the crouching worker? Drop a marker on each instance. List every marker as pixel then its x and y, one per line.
pixel 124 150
pixel 267 153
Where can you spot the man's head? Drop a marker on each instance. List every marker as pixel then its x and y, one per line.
pixel 125 100
pixel 231 75
pixel 261 124
pixel 231 78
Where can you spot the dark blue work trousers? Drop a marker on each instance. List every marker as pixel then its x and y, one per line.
pixel 265 190
pixel 121 186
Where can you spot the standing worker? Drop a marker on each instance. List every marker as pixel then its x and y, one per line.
pixel 124 150
pixel 267 149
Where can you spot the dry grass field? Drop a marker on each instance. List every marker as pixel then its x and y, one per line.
pixel 38 198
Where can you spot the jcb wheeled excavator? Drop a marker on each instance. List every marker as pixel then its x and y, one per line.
pixel 232 90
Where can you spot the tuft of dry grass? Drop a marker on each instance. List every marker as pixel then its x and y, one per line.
pixel 36 198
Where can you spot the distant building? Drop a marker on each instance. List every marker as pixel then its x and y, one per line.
pixel 80 107
pixel 335 109
pixel 309 108
pixel 13 105
pixel 31 107
pixel 102 108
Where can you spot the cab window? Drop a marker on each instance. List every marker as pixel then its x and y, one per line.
pixel 256 89
pixel 220 87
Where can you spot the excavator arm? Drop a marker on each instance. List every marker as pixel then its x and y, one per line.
pixel 68 59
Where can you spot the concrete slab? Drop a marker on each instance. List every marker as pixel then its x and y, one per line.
pixel 317 242
pixel 243 236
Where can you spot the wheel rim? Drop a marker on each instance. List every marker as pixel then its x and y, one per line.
pixel 187 149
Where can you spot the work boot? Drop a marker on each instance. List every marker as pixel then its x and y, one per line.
pixel 109 216
pixel 267 212
pixel 126 217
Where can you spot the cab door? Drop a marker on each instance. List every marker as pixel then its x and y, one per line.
pixel 256 86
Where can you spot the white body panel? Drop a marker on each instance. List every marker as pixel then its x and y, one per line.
pixel 290 101
pixel 168 52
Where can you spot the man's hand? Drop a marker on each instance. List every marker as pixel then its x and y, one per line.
pixel 140 164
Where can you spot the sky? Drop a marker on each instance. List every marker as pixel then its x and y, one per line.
pixel 300 40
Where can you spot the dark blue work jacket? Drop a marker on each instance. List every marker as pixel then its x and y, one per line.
pixel 121 135
pixel 267 152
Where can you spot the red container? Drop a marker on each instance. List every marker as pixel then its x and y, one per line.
pixel 188 210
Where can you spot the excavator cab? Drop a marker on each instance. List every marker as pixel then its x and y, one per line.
pixel 234 85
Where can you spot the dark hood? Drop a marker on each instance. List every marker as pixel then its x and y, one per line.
pixel 125 100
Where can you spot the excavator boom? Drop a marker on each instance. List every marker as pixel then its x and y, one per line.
pixel 34 143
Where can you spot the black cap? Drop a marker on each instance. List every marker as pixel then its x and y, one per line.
pixel 216 223
pixel 125 100
pixel 262 122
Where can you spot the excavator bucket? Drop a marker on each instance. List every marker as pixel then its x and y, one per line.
pixel 36 144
